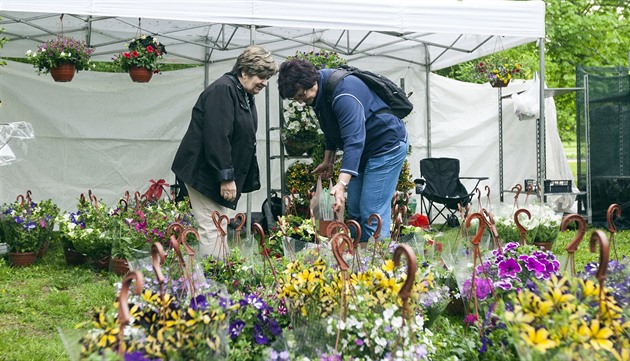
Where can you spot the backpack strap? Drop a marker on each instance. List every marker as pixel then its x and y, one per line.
pixel 331 83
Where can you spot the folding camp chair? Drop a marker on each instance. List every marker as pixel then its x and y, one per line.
pixel 441 189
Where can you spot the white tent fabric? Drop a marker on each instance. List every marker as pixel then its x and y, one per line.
pixel 435 33
pixel 104 133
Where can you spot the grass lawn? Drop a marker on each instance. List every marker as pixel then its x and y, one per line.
pixel 570 149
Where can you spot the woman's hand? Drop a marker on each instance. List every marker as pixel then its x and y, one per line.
pixel 324 169
pixel 339 192
pixel 228 190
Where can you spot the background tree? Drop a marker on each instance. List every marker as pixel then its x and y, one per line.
pixel 578 32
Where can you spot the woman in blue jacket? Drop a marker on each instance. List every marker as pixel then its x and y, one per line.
pixel 374 141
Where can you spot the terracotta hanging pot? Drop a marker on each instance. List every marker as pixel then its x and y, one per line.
pixel 140 75
pixel 63 73
pixel 22 259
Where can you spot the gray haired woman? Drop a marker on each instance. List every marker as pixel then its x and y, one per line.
pixel 216 159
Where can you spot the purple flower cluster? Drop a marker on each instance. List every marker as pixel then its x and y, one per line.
pixel 509 268
pixel 253 319
pixel 617 278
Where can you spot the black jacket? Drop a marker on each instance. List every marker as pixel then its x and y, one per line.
pixel 220 143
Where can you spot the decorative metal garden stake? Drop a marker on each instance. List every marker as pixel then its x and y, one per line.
pixel 158 256
pixel 612 210
pixel 264 252
pixel 377 233
pixel 337 242
pixel 521 230
pixel 412 266
pixel 598 237
pixel 355 244
pixel 488 218
pixel 218 219
pixel 123 305
pixel 572 247
pixel 240 219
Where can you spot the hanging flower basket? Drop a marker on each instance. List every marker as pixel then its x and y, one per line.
pixel 140 75
pixel 142 57
pixel 61 57
pixel 295 147
pixel 498 83
pixel 63 73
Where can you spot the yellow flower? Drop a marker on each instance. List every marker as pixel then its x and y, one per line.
pixel 590 289
pixel 598 337
pixel 388 266
pixel 539 339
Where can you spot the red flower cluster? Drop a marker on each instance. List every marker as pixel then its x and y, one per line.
pixel 419 220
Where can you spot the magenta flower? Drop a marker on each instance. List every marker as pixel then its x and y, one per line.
pixel 509 268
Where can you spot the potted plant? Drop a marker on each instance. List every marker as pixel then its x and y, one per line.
pixel 27 227
pixel 141 61
pixel 61 57
pixel 498 72
pixel 301 131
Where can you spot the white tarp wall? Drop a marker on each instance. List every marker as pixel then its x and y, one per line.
pixel 104 133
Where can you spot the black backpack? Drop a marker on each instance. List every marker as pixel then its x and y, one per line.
pixel 387 90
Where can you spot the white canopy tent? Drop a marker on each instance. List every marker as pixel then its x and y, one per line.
pixel 103 132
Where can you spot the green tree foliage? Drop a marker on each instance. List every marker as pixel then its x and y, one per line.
pixel 578 32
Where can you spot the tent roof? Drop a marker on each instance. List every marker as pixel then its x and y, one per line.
pixel 435 33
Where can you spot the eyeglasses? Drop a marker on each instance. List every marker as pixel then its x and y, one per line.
pixel 300 96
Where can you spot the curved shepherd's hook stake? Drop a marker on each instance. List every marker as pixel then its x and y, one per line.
pixel 357 232
pixel 598 237
pixel 480 229
pixel 263 246
pixel 477 257
pixel 487 188
pixel 478 191
pixel 240 219
pixel 376 234
pixel 20 200
pixel 29 200
pixel 412 265
pixel 492 226
pixel 613 209
pixel 158 256
pixel 398 222
pixel 335 227
pixel 518 193
pixel 122 203
pixel 572 247
pixel 337 242
pixel 521 230
pixel 123 305
pixel 289 204
pixel 174 229
pixel 184 241
pixel 218 219
pixel 379 224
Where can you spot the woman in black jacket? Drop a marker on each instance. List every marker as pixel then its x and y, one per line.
pixel 216 159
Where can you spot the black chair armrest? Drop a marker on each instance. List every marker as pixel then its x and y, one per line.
pixel 479 178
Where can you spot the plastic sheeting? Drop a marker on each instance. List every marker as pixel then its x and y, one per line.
pixel 105 133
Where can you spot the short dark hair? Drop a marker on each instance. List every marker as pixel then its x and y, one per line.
pixel 294 74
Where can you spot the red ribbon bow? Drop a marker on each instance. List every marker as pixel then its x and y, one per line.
pixel 155 189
